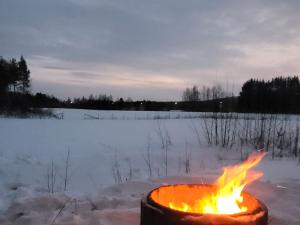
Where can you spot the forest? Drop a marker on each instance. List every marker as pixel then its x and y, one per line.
pixel 278 95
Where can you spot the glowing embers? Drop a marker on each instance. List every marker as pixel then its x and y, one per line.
pixel 197 198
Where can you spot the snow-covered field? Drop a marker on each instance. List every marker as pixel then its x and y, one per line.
pixel 107 173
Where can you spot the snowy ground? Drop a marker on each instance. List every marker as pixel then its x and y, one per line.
pixel 29 146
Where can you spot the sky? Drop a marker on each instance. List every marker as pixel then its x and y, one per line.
pixel 150 49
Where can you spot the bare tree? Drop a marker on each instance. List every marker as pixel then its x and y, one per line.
pixel 130 169
pixel 187 159
pixel 191 94
pixel 67 165
pixel 116 169
pixel 166 142
pixel 160 135
pixel 206 129
pixel 51 178
pixel 166 150
pixel 196 133
pixel 147 156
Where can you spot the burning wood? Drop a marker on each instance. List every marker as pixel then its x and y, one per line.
pixel 221 203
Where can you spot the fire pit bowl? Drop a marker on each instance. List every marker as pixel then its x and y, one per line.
pixel 156 208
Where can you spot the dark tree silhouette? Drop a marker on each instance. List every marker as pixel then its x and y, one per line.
pixel 191 94
pixel 14 85
pixel 279 95
pixel 4 76
pixel 23 75
pixel 14 76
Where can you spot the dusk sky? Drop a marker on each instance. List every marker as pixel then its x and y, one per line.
pixel 149 49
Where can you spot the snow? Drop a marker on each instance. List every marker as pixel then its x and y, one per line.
pixel 28 147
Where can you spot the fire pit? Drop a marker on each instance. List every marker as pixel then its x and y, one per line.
pixel 223 203
pixel 156 210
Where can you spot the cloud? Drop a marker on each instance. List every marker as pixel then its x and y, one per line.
pixel 140 44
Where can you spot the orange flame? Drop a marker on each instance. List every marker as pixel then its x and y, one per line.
pixel 227 199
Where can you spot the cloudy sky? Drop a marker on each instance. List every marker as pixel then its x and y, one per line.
pixel 149 49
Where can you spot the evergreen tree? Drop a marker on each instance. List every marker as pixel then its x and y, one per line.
pixel 24 74
pixel 13 75
pixel 4 76
pixel 280 95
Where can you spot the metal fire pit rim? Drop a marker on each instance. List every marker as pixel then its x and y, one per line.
pixel 261 207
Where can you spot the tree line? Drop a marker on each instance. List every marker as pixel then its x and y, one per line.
pixel 278 95
pixel 195 94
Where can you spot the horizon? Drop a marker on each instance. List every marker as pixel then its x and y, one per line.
pixel 149 50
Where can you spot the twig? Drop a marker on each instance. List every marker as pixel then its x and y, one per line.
pixel 60 211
